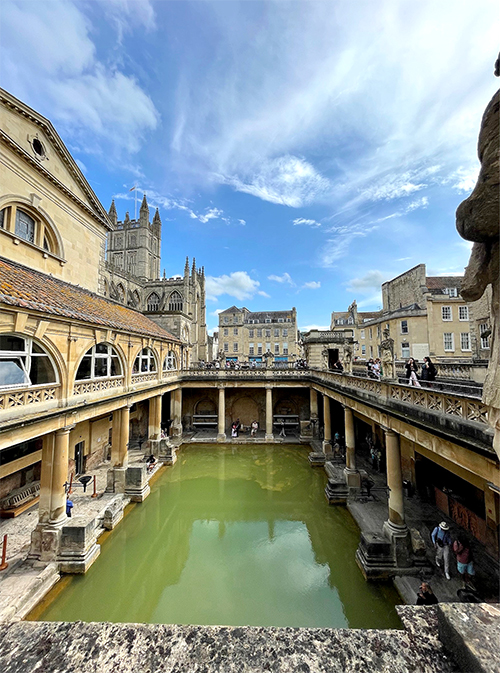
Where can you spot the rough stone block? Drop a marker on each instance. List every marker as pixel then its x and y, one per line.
pixel 113 513
pixel 417 543
pixel 78 548
pixel 136 483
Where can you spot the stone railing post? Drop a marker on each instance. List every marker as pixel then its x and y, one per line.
pixel 269 413
pixel 221 419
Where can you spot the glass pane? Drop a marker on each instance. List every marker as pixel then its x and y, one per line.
pixel 11 343
pixel 144 365
pixel 84 368
pixel 41 370
pixel 101 367
pixel 12 373
pixel 115 366
pixel 25 226
pixel 135 369
pixel 152 365
pixel 2 218
pixel 101 348
pixel 35 348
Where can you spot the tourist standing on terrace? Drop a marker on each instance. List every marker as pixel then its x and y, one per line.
pixel 411 373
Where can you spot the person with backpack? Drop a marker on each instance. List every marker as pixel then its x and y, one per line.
pixel 428 371
pixel 441 539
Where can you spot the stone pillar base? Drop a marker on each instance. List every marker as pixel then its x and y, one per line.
pixel 153 446
pixel 167 452
pixel 45 541
pixel 78 549
pixel 400 538
pixel 113 513
pixel 221 437
pixel 136 483
pixel 269 438
pixel 327 446
pixel 352 478
pixel 116 480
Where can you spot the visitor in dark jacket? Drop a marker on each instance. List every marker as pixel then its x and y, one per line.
pixel 412 372
pixel 429 370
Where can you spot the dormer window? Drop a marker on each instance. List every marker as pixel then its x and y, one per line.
pixel 451 291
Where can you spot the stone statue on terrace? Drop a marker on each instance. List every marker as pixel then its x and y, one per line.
pixel 387 356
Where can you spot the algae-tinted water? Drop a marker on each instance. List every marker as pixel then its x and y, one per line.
pixel 231 535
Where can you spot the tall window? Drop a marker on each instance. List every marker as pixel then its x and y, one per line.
pixel 100 361
pixel 285 348
pixel 448 341
pixel 25 226
pixel 371 333
pixel 276 349
pixel 235 331
pixel 446 313
pixel 170 362
pixel 268 333
pixel 118 260
pixel 268 347
pixel 285 332
pixel 24 363
pixel 120 292
pixel 465 341
pixel 363 349
pixel 485 341
pixel 235 347
pixel 463 313
pixel 259 349
pixel 251 349
pixel 175 302
pixel 226 319
pixel 451 291
pixel 2 218
pixel 259 332
pixel 378 332
pixel 404 327
pixel 362 333
pixel 144 362
pixel 405 350
pixel 153 302
pixel 276 332
pixel 226 331
pixel 251 333
pixel 131 262
pixel 226 347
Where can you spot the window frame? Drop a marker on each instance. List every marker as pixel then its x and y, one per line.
pixel 405 349
pixel 147 355
pixel 169 359
pixel 446 308
pixel 111 354
pixel 403 324
pixel 452 336
pixel 468 346
pixel 46 238
pixel 173 301
pixel 25 358
pixel 464 309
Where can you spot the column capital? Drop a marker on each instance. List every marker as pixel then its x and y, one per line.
pixel 389 432
pixel 66 430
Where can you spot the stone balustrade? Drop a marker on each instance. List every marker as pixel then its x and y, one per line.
pixel 28 396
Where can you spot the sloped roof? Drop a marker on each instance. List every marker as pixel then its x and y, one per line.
pixel 441 282
pixel 36 291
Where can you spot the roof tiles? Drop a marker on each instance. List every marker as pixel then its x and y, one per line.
pixel 33 290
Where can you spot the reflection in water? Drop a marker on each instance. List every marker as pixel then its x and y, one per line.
pixel 232 536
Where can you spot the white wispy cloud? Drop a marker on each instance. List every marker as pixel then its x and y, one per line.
pixel 312 285
pixel 264 294
pixel 372 280
pixel 237 284
pixel 49 60
pixel 310 223
pixel 284 278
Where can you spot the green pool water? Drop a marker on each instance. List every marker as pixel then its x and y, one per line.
pixel 234 535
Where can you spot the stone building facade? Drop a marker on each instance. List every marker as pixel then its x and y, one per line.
pixel 246 336
pixel 425 315
pixel 132 277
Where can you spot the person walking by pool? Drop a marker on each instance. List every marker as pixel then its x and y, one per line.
pixel 425 595
pixel 441 539
pixel 465 563
pixel 69 507
pixel 254 428
pixel 282 425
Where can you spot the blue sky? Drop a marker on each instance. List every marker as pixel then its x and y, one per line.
pixel 303 152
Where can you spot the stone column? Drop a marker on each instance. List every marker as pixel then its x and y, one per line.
pixel 45 539
pixel 59 476
pixel 121 432
pixel 269 413
pixel 327 436
pixel 221 429
pixel 177 412
pixel 351 473
pixel 314 412
pixel 395 527
pixel 154 421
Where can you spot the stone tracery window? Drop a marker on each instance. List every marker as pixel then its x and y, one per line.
pixel 175 301
pixel 170 362
pixel 153 302
pixel 145 362
pixel 24 363
pixel 120 293
pixel 100 361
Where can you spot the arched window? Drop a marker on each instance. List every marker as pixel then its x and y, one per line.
pixel 100 361
pixel 24 363
pixel 153 302
pixel 175 302
pixel 27 224
pixel 137 299
pixel 170 362
pixel 120 293
pixel 144 362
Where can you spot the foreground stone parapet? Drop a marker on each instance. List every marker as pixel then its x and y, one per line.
pixel 123 648
pixel 472 634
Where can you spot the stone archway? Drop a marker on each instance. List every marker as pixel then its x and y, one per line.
pixel 205 406
pixel 246 409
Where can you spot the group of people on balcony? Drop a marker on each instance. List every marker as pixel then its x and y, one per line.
pixel 427 372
